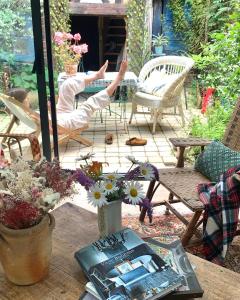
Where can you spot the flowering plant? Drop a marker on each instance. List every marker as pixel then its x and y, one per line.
pixel 104 188
pixel 28 190
pixel 68 48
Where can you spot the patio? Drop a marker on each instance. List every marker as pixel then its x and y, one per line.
pixel 158 149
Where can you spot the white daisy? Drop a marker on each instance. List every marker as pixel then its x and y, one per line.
pixel 96 195
pixel 134 192
pixel 132 159
pixel 147 171
pixel 112 176
pixel 109 186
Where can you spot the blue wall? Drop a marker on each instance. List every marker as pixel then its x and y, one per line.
pixel 165 26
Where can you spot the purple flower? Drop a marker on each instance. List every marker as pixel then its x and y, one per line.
pixel 83 179
pixel 132 174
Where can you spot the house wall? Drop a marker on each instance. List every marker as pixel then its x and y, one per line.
pixel 163 24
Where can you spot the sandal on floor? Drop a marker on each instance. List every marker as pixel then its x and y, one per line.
pixel 136 142
pixel 109 138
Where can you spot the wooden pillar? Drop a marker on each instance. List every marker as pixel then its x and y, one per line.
pixel 100 42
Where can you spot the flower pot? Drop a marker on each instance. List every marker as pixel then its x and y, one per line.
pixel 158 50
pixel 25 253
pixel 71 69
pixel 110 218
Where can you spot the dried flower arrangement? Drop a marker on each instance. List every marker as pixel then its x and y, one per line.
pixel 28 190
pixel 104 188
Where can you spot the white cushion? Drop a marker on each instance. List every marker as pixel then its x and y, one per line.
pixel 156 83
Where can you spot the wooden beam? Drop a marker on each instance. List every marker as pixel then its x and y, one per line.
pixel 104 9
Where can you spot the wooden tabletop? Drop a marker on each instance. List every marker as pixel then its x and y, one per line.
pixel 75 228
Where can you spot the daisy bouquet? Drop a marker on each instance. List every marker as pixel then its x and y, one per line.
pixel 103 188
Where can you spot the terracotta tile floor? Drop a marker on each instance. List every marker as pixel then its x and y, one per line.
pixel 158 150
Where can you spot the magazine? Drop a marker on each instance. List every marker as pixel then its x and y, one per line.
pixel 174 254
pixel 123 267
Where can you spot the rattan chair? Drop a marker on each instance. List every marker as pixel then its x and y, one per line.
pixel 181 181
pixel 171 95
pixel 12 138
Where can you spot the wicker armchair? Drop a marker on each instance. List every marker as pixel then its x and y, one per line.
pixel 171 94
pixel 181 182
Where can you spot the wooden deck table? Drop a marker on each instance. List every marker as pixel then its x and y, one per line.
pixel 75 228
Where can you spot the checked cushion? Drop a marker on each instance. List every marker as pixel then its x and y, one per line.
pixel 215 160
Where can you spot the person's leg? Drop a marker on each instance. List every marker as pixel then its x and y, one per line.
pixel 73 86
pixel 102 99
pixel 97 75
pixel 112 87
pixel 82 116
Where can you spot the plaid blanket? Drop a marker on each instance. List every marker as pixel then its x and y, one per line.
pixel 221 201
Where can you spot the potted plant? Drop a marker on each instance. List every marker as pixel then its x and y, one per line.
pixel 158 42
pixel 108 191
pixel 28 190
pixel 69 50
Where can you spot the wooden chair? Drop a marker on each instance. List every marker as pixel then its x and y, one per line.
pixel 171 93
pixel 12 138
pixel 32 119
pixel 181 182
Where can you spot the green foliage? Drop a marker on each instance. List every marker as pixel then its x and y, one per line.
pixel 206 17
pixel 214 125
pixel 12 26
pixel 219 62
pixel 24 78
pixel 60 21
pixel 138 39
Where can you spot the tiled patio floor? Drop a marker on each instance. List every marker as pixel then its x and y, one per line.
pixel 158 150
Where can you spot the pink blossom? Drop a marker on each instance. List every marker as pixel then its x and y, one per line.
pixel 69 36
pixel 59 42
pixel 77 49
pixel 58 35
pixel 58 38
pixel 84 48
pixel 77 37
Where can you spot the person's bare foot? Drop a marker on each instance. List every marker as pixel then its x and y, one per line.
pixel 122 70
pixel 120 76
pixel 102 70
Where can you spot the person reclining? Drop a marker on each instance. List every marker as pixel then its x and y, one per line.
pixel 70 118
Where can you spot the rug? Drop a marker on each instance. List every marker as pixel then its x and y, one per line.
pixel 168 228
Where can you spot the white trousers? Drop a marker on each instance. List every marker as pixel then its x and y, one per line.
pixel 71 118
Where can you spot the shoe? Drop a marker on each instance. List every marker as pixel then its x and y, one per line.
pixel 109 138
pixel 136 142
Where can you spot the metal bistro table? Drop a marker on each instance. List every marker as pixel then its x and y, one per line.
pixel 130 81
pixel 76 228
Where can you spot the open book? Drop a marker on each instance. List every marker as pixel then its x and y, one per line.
pixel 123 267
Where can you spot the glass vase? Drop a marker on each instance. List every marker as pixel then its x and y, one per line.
pixel 110 218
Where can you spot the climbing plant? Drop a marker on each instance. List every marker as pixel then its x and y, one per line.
pixel 60 21
pixel 195 20
pixel 138 35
